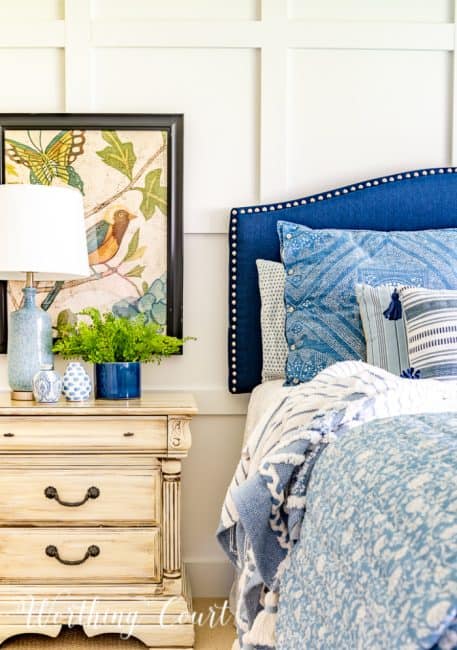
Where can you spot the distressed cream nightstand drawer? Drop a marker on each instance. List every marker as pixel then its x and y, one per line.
pixel 39 433
pixel 81 496
pixel 67 555
pixel 90 508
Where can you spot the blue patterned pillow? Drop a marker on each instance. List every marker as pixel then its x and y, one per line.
pixel 323 323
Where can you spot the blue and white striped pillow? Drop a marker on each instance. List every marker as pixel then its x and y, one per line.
pixel 431 330
pixel 386 339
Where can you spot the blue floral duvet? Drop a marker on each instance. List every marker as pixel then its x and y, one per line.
pixel 376 563
pixel 363 506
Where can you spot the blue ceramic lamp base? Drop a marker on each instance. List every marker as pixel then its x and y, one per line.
pixel 29 345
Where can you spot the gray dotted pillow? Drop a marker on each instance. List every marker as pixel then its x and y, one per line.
pixel 272 279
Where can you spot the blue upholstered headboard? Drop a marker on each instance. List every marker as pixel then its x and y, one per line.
pixel 415 200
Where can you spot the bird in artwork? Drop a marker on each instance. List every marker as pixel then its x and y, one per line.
pixel 105 237
pixel 103 241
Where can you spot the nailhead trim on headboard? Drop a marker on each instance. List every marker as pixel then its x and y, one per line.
pixel 289 204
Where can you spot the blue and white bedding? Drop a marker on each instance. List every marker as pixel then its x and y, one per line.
pixel 376 564
pixel 265 505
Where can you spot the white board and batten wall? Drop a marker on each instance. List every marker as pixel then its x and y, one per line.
pixel 281 98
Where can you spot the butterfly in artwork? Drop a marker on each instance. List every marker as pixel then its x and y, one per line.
pixel 54 161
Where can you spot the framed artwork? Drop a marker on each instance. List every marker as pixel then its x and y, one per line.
pixel 129 171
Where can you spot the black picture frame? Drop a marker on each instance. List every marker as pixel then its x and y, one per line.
pixel 174 125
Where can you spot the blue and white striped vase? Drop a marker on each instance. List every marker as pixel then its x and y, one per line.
pixel 76 383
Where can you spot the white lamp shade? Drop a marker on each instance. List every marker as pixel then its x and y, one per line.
pixel 42 231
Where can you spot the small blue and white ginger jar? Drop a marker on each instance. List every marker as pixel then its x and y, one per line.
pixel 47 385
pixel 76 383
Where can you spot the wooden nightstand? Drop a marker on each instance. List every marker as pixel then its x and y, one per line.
pixel 90 518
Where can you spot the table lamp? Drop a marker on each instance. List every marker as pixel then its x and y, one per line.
pixel 42 237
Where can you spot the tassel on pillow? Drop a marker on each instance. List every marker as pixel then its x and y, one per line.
pixel 262 631
pixel 411 373
pixel 394 310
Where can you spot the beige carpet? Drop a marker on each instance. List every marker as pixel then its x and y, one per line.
pixel 219 638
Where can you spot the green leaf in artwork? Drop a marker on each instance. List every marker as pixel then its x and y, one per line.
pixel 66 318
pixel 74 179
pixel 133 251
pixel 136 272
pixel 145 287
pixel 138 253
pixel 119 155
pixel 154 194
pixel 133 245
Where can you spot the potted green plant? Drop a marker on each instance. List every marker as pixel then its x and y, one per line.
pixel 116 346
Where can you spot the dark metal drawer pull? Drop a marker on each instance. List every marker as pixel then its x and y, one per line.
pixel 92 551
pixel 8 435
pixel 51 493
pixel 128 434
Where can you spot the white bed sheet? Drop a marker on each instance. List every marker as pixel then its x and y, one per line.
pixel 262 400
pixel 260 403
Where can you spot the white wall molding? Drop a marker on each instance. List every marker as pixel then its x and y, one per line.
pixel 275 34
pixel 453 160
pixel 171 34
pixel 273 101
pixel 26 34
pixel 370 36
pixel 274 27
pixel 78 69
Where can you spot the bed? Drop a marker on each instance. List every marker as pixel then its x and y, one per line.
pixel 348 453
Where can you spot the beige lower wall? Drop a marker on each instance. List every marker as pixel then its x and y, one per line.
pixel 206 475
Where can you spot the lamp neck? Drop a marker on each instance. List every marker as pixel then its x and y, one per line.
pixel 29 280
pixel 29 296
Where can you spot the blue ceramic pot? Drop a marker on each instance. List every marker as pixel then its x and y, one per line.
pixel 118 380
